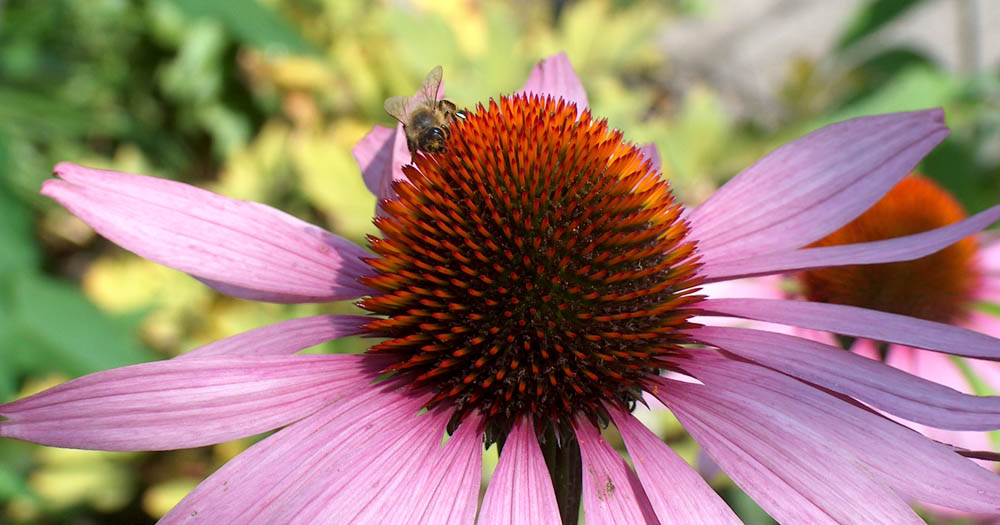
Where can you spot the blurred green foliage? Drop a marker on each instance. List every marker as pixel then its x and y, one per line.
pixel 872 17
pixel 262 100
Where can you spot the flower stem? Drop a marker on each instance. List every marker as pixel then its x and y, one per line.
pixel 562 457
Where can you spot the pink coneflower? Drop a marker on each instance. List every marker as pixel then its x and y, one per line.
pixel 529 286
pixel 947 286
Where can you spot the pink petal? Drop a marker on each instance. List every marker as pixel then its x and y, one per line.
pixel 265 482
pixel 521 489
pixel 385 479
pixel 897 249
pixel 183 403
pixel 912 465
pixel 611 492
pixel 650 153
pixel 381 155
pixel 796 473
pixel 989 252
pixel 941 369
pixel 865 348
pixel 555 76
pixel 676 492
pixel 242 245
pixel 766 287
pixel 810 187
pixel 251 294
pixel 989 288
pixel 932 366
pixel 450 494
pixel 987 371
pixel 860 322
pixel 286 337
pixel 373 153
pixel 881 386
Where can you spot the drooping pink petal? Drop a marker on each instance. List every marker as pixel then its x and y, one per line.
pixel 652 154
pixel 877 384
pixel 245 246
pixel 676 492
pixel 450 493
pixel 521 489
pixel 374 153
pixel 611 492
pixel 381 155
pixel 649 152
pixel 810 187
pixel 555 76
pixel 860 322
pixel 912 465
pixel 796 474
pixel 183 403
pixel 897 249
pixel 263 484
pixel 286 337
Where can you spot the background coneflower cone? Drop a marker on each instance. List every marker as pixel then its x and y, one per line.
pixel 939 287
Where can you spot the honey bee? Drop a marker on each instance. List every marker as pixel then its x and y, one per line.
pixel 425 119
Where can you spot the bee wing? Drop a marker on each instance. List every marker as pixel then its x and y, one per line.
pixel 429 89
pixel 397 107
pixel 400 107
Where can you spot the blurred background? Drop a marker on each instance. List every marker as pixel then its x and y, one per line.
pixel 262 100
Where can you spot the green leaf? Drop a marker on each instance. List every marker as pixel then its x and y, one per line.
pixel 19 251
pixel 988 307
pixel 423 36
pixel 953 165
pixel 872 17
pixel 16 239
pixel 895 60
pixel 26 113
pixel 746 508
pixel 13 462
pixel 8 369
pixel 874 72
pixel 54 327
pixel 915 88
pixel 11 484
pixel 251 22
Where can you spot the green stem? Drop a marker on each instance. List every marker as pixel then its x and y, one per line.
pixel 562 457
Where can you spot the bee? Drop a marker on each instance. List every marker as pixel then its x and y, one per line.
pixel 425 119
